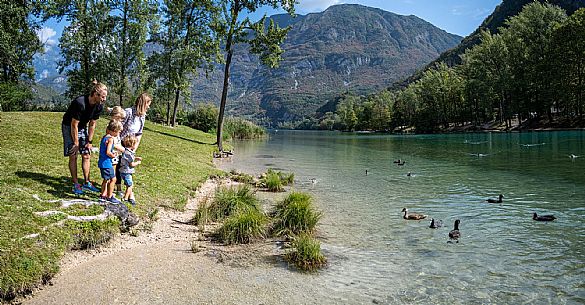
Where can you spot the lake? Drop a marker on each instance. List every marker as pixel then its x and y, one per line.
pixel 503 255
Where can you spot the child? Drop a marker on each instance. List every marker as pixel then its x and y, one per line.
pixel 107 153
pixel 117 113
pixel 127 163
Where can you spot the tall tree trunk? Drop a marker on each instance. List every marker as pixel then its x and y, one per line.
pixel 168 111
pixel 226 76
pixel 177 95
pixel 123 55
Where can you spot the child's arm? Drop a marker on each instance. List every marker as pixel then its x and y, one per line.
pixel 109 144
pixel 119 148
pixel 136 161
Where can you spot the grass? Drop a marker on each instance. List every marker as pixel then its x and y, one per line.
pixel 175 162
pixel 228 201
pixel 243 227
pixel 306 253
pixel 295 215
pixel 275 181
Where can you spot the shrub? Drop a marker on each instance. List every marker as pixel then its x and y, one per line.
pixel 243 227
pixel 273 182
pixel 306 253
pixel 241 177
pixel 228 201
pixel 295 215
pixel 204 117
pixel 238 128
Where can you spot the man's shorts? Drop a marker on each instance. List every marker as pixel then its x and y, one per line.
pixel 127 178
pixel 68 141
pixel 107 173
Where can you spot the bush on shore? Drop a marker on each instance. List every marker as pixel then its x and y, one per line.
pixel 243 227
pixel 306 253
pixel 228 201
pixel 295 215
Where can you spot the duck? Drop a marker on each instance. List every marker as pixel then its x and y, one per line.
pixel 543 217
pixel 499 200
pixel 412 216
pixel 397 161
pixel 435 224
pixel 401 164
pixel 455 234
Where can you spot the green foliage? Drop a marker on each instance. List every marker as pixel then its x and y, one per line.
pixel 241 177
pixel 238 128
pixel 243 227
pixel 295 215
pixel 18 40
pixel 14 96
pixel 89 234
pixel 306 253
pixel 204 117
pixel 273 182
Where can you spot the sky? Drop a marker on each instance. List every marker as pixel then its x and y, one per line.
pixel 459 17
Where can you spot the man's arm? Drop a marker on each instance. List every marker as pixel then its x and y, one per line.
pixel 74 136
pixel 90 131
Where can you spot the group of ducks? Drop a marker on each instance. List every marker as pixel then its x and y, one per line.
pixel 454 234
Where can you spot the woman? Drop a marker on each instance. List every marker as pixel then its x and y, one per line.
pixel 133 125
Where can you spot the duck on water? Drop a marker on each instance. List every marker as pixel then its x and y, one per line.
pixel 412 216
pixel 543 217
pixel 455 234
pixel 499 200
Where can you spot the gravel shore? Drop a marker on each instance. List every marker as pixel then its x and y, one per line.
pixel 159 267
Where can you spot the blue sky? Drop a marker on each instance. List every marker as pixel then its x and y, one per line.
pixel 459 17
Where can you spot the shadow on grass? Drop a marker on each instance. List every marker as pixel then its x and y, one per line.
pixel 178 137
pixel 61 187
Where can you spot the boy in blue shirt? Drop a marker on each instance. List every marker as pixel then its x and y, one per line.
pixel 107 153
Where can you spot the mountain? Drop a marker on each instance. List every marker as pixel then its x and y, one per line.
pixel 346 47
pixel 493 22
pixel 47 71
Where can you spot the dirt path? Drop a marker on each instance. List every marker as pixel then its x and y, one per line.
pixel 158 267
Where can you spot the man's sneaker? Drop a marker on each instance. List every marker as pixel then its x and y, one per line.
pixel 89 187
pixel 77 189
pixel 132 201
pixel 114 200
pixel 103 199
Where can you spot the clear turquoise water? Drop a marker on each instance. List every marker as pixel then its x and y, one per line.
pixel 504 257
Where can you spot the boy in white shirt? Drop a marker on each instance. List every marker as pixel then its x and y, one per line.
pixel 128 162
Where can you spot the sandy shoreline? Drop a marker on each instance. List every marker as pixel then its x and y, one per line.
pixel 158 267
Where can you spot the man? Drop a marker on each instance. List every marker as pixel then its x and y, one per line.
pixel 78 128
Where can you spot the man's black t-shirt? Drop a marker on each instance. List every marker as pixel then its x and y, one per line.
pixel 81 110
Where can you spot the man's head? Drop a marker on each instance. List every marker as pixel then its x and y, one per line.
pixel 98 92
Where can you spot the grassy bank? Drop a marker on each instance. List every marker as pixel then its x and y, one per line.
pixel 175 162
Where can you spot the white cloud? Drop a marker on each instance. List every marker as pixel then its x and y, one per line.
pixel 45 36
pixel 315 5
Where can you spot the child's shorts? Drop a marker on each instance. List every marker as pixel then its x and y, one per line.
pixel 108 173
pixel 127 178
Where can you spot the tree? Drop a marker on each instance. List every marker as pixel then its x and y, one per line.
pixel 190 44
pixel 131 19
pixel 86 41
pixel 18 40
pixel 346 111
pixel 264 41
pixel 568 44
pixel 527 38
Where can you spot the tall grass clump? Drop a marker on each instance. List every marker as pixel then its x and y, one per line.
pixel 238 128
pixel 295 215
pixel 305 253
pixel 228 201
pixel 275 181
pixel 243 227
pixel 89 234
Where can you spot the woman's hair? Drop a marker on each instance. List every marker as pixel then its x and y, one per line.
pixel 129 141
pixel 98 87
pixel 114 125
pixel 118 113
pixel 141 103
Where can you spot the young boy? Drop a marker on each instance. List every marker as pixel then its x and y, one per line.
pixel 128 162
pixel 117 113
pixel 107 153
